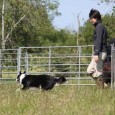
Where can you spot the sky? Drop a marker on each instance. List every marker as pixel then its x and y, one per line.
pixel 69 10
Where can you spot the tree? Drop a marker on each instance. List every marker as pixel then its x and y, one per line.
pixel 27 19
pixel 109 21
pixel 3 43
pixel 4 39
pixel 86 33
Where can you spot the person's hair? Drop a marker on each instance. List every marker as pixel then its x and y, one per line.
pixel 95 14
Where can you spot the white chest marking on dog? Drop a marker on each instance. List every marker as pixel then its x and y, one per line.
pixel 22 77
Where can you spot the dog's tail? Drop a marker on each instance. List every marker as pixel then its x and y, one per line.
pixel 60 80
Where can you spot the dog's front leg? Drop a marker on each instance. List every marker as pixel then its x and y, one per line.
pixel 24 87
pixel 18 90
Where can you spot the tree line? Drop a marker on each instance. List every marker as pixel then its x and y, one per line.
pixel 29 23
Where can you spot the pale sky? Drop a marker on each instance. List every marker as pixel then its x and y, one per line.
pixel 71 8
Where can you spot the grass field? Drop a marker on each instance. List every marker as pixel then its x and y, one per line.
pixel 62 100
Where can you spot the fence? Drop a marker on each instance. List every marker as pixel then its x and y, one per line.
pixel 8 63
pixel 113 67
pixel 69 61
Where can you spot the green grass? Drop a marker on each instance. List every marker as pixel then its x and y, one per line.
pixel 62 100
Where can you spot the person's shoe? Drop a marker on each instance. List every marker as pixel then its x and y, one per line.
pixel 94 76
pixel 100 81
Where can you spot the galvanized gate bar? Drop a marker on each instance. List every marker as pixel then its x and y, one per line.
pixel 112 67
pixel 8 56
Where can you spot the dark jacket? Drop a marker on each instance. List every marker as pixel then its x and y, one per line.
pixel 100 38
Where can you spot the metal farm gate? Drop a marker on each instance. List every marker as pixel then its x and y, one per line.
pixel 68 61
pixel 8 64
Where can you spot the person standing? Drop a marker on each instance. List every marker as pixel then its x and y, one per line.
pixel 100 45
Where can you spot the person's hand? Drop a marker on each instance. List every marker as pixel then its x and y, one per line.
pixel 95 58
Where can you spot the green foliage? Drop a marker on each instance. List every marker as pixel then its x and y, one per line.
pixel 109 22
pixel 87 33
pixel 36 28
pixel 63 37
pixel 33 27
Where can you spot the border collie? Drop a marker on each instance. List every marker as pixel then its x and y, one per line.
pixel 45 82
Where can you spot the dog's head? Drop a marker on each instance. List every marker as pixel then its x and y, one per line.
pixel 20 77
pixel 61 80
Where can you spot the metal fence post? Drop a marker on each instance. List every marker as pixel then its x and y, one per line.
pixel 18 60
pixel 79 73
pixel 26 62
pixel 112 67
pixel 49 60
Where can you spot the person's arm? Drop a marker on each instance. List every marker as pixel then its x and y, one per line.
pixel 98 42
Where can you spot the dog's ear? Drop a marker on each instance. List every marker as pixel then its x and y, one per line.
pixel 24 72
pixel 20 73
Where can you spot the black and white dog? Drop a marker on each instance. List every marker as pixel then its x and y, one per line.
pixel 45 82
